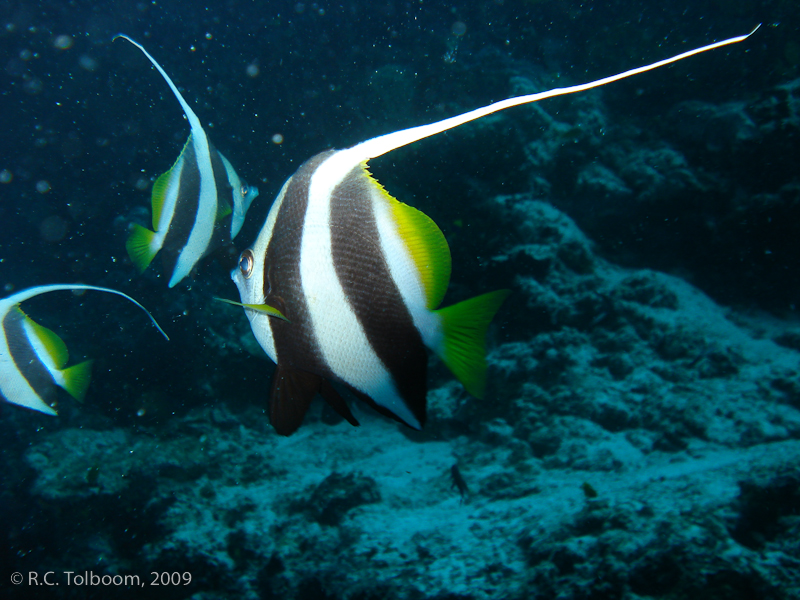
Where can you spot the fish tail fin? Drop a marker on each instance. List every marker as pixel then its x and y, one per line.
pixel 463 348
pixel 141 247
pixel 76 379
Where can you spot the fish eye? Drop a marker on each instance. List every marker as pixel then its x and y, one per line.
pixel 246 263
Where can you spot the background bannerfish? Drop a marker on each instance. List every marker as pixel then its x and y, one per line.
pixel 190 202
pixel 344 282
pixel 33 358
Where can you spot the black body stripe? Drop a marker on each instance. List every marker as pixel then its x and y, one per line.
pixel 369 288
pixel 295 342
pixel 222 228
pixel 186 207
pixel 24 357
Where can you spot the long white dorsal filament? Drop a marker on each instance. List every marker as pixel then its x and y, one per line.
pixel 194 122
pixel 43 289
pixel 391 141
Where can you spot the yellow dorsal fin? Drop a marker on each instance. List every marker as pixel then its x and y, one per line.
pixel 425 243
pixel 159 194
pixel 53 345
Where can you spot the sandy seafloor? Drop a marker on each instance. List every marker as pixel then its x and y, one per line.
pixel 640 434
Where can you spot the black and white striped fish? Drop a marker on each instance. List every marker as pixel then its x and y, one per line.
pixel 344 282
pixel 33 358
pixel 190 202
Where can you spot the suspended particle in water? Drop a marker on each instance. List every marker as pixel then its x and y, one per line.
pixel 63 42
pixel 53 229
pixel 209 36
pixel 42 186
pixel 277 139
pixel 252 69
pixel 459 28
pixel 6 176
pixel 32 86
pixel 87 62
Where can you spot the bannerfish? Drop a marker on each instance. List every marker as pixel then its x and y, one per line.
pixel 190 202
pixel 33 358
pixel 344 282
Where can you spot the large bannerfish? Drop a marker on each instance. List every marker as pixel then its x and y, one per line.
pixel 190 202
pixel 344 282
pixel 33 358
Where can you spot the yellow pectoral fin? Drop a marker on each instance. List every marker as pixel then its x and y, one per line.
pixel 262 308
pixel 223 210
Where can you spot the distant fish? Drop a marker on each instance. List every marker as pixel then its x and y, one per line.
pixel 344 282
pixel 190 202
pixel 459 482
pixel 32 358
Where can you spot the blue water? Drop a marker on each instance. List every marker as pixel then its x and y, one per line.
pixel 690 171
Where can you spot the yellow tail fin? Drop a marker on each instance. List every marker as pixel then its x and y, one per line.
pixel 464 347
pixel 76 379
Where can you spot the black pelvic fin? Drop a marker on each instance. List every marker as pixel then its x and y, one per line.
pixel 292 393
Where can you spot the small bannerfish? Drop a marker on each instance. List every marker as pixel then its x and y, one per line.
pixel 190 202
pixel 344 282
pixel 33 358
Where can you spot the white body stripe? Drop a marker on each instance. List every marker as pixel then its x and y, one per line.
pixel 341 338
pixel 14 387
pixel 251 290
pixel 206 216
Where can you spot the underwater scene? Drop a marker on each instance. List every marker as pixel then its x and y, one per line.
pixel 282 317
